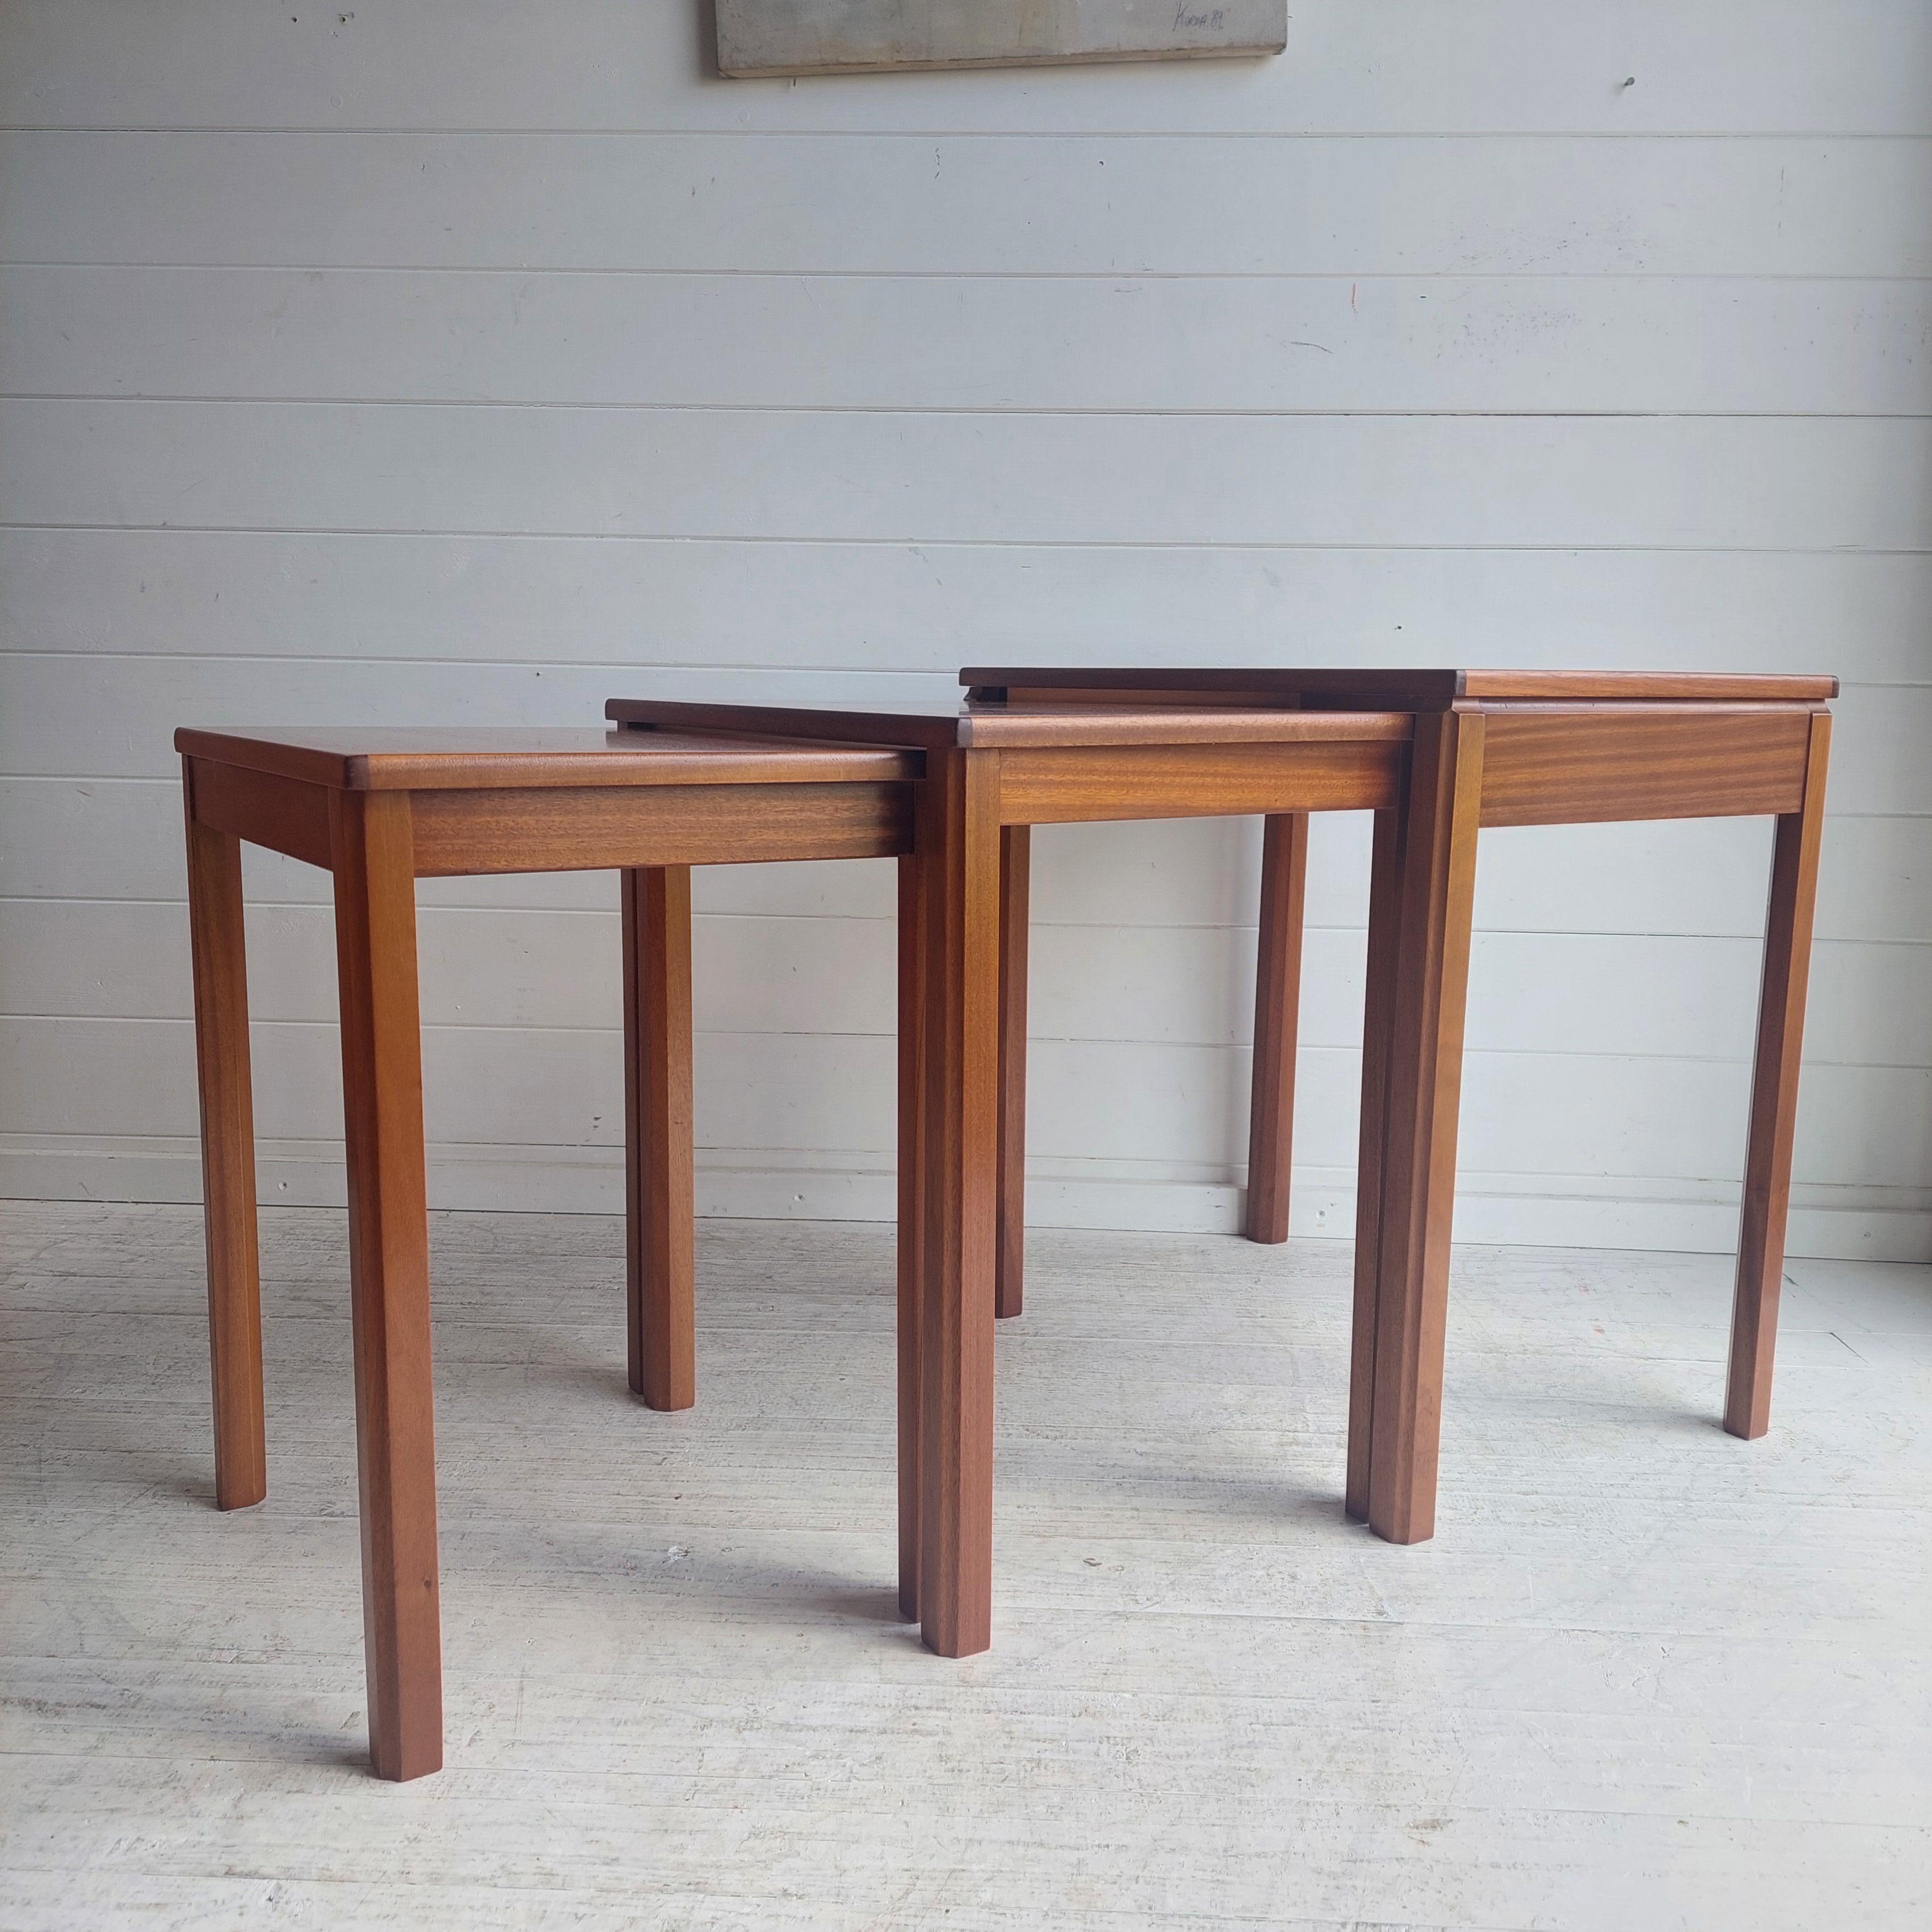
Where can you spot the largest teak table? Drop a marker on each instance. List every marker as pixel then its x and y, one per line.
pixel 1498 748
pixel 990 774
pixel 380 810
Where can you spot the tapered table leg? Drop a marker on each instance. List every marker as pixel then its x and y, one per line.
pixel 660 1197
pixel 388 1234
pixel 1780 1036
pixel 1016 869
pixel 1378 1010
pixel 911 1211
pixel 1424 1089
pixel 962 840
pixel 1277 1011
pixel 227 1162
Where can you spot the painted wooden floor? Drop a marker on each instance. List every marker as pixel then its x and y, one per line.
pixel 1646 1677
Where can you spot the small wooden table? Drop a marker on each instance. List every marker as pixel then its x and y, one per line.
pixel 380 809
pixel 1507 748
pixel 991 773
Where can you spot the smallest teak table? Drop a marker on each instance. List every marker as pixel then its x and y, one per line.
pixel 380 809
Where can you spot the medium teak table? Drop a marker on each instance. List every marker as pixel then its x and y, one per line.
pixel 991 773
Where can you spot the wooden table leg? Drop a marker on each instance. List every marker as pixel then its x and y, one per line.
pixel 961 840
pixel 227 1162
pixel 1780 1035
pixel 911 1209
pixel 660 1194
pixel 1424 1091
pixel 1016 869
pixel 389 1236
pixel 1377 1008
pixel 1277 1011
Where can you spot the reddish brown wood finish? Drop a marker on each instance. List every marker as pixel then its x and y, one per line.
pixel 603 828
pixel 912 913
pixel 553 829
pixel 954 1176
pixel 284 814
pixel 1148 764
pixel 1549 748
pixel 1277 1011
pixel 1065 785
pixel 962 843
pixel 1016 874
pixel 1422 1089
pixel 1780 1038
pixel 660 1191
pixel 1010 728
pixel 389 1238
pixel 1407 689
pixel 1063 727
pixel 1385 885
pixel 932 730
pixel 227 1162
pixel 1592 764
pixel 470 758
pixel 406 804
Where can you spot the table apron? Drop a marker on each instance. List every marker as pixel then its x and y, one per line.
pixel 287 815
pixel 1539 769
pixel 575 828
pixel 595 828
pixel 1050 786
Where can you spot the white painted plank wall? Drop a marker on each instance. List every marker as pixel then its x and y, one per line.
pixel 438 362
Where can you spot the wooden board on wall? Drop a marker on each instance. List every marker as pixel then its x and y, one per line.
pixel 788 37
pixel 468 365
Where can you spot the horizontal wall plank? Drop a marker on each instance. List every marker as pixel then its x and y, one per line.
pixel 79 715
pixel 1633 994
pixel 1642 482
pixel 933 608
pixel 1351 66
pixel 1557 344
pixel 942 202
pixel 122 841
pixel 1531 1113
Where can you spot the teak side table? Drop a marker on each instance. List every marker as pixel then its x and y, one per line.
pixel 380 809
pixel 1494 749
pixel 991 774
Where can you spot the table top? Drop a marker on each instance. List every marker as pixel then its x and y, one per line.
pixel 1412 690
pixel 466 758
pixel 938 726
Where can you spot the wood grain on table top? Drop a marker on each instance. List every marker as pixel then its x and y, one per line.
pixel 1413 690
pixel 464 757
pixel 938 728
